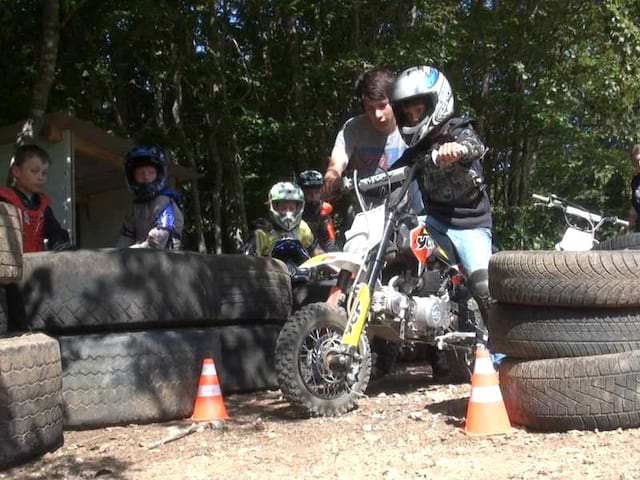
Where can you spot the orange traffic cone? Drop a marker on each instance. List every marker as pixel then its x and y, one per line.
pixel 486 413
pixel 209 404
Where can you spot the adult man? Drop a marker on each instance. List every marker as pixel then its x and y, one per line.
pixel 370 140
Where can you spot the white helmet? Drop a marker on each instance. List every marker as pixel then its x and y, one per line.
pixel 422 83
pixel 286 192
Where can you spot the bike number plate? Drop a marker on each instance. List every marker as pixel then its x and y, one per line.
pixel 357 317
pixel 422 244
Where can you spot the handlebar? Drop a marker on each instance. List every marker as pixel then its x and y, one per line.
pixel 553 201
pixel 378 180
pixel 386 178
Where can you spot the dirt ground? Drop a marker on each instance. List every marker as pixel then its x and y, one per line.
pixel 407 428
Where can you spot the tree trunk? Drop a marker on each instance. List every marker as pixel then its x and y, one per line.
pixel 215 167
pixel 319 20
pixel 237 217
pixel 188 153
pixel 297 150
pixel 355 16
pixel 158 103
pixel 46 71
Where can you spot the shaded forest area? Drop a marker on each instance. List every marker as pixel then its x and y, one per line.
pixel 249 92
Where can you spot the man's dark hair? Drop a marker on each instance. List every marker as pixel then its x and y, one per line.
pixel 375 84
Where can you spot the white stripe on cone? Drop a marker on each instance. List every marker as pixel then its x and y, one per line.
pixel 483 366
pixel 209 391
pixel 209 369
pixel 486 394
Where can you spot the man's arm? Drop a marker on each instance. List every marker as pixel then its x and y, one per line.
pixel 338 163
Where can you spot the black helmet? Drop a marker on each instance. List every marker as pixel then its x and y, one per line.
pixel 310 179
pixel 146 155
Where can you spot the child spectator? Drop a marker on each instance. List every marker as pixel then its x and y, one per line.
pixel 155 219
pixel 286 204
pixel 27 177
pixel 317 213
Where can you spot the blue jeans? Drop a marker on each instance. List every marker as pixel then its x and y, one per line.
pixel 473 245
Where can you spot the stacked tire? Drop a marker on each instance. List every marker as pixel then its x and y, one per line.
pixel 30 368
pixel 569 323
pixel 133 327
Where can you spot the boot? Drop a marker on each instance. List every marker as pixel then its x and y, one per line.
pixel 478 284
pixel 438 360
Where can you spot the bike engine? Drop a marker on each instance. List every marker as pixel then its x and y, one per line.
pixel 418 318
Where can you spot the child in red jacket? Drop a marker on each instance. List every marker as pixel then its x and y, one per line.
pixel 27 176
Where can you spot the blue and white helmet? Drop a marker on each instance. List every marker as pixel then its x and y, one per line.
pixel 146 155
pixel 426 83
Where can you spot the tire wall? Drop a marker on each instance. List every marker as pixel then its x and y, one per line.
pixel 569 323
pixel 91 291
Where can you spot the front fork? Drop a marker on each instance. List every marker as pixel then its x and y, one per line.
pixel 358 314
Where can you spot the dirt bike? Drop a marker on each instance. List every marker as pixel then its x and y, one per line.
pixel 582 225
pixel 398 281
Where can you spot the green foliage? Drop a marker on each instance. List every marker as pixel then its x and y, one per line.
pixel 266 85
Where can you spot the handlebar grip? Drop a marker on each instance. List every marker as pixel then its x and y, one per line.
pixel 540 197
pixel 619 221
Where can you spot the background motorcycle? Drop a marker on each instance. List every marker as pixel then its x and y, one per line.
pixel 582 225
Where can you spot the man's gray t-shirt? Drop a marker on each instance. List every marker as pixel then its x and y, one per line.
pixel 367 149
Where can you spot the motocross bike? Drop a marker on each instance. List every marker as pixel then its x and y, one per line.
pixel 582 225
pixel 398 280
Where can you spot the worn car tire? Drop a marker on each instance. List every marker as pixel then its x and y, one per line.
pixel 4 321
pixel 104 290
pixel 136 377
pixel 246 289
pixel 150 376
pixel 10 244
pixel 538 332
pixel 248 357
pixel 581 393
pixel 594 278
pixel 30 397
pixel 630 241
